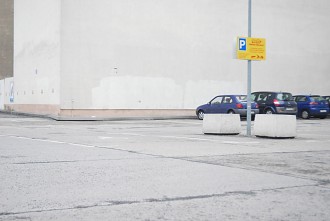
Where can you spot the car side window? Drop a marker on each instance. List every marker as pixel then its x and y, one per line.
pixel 269 96
pixel 262 97
pixel 216 100
pixel 301 99
pixel 253 97
pixel 227 100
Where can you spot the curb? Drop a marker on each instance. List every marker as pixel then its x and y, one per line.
pixel 92 118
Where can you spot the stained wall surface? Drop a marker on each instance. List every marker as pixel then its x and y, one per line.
pixel 6 38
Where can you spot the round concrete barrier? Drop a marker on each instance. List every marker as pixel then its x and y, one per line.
pixel 225 124
pixel 275 126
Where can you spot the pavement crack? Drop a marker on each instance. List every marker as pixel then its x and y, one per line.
pixel 109 203
pixel 250 193
pixel 75 161
pixel 45 162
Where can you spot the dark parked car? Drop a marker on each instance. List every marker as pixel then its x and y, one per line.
pixel 312 106
pixel 230 104
pixel 275 102
pixel 327 98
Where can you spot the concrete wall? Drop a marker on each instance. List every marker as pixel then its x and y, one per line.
pixel 170 54
pixel 149 54
pixel 297 51
pixel 37 54
pixel 6 38
pixel 2 94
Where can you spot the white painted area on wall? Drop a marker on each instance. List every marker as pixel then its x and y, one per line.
pixel 37 51
pixel 156 93
pixel 136 92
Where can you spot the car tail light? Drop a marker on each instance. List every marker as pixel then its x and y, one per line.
pixel 257 106
pixel 313 103
pixel 239 106
pixel 276 102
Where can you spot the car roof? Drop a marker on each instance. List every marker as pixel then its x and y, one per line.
pixel 275 92
pixel 310 95
pixel 231 95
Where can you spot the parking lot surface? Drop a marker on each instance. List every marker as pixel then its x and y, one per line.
pixel 160 170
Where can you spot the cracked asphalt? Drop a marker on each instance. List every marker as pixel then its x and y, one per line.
pixel 160 170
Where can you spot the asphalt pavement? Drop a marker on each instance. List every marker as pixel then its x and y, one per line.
pixel 160 170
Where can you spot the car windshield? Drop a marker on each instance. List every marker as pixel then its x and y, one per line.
pixel 284 97
pixel 216 100
pixel 241 97
pixel 317 98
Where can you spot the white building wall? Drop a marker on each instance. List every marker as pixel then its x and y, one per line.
pixel 178 54
pixel 298 56
pixel 37 52
pixel 149 54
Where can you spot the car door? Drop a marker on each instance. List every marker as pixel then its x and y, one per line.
pixel 327 98
pixel 226 105
pixel 215 105
pixel 261 99
pixel 302 103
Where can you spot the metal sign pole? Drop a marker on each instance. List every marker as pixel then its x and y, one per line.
pixel 248 132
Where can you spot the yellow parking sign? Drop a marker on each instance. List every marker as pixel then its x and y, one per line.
pixel 251 48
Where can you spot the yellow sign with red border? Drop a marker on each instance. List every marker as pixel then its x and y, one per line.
pixel 251 48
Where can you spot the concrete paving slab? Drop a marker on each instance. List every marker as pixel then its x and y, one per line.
pixel 280 204
pixel 58 185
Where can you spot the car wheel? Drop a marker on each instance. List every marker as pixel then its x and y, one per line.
pixel 231 112
pixel 305 114
pixel 269 111
pixel 200 115
pixel 323 117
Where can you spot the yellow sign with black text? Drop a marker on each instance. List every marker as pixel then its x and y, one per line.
pixel 251 48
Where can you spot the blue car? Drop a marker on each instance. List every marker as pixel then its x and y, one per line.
pixel 229 104
pixel 311 106
pixel 327 98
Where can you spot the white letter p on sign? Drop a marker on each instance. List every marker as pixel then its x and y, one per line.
pixel 242 44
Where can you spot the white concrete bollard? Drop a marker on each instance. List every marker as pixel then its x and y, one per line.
pixel 276 126
pixel 221 124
